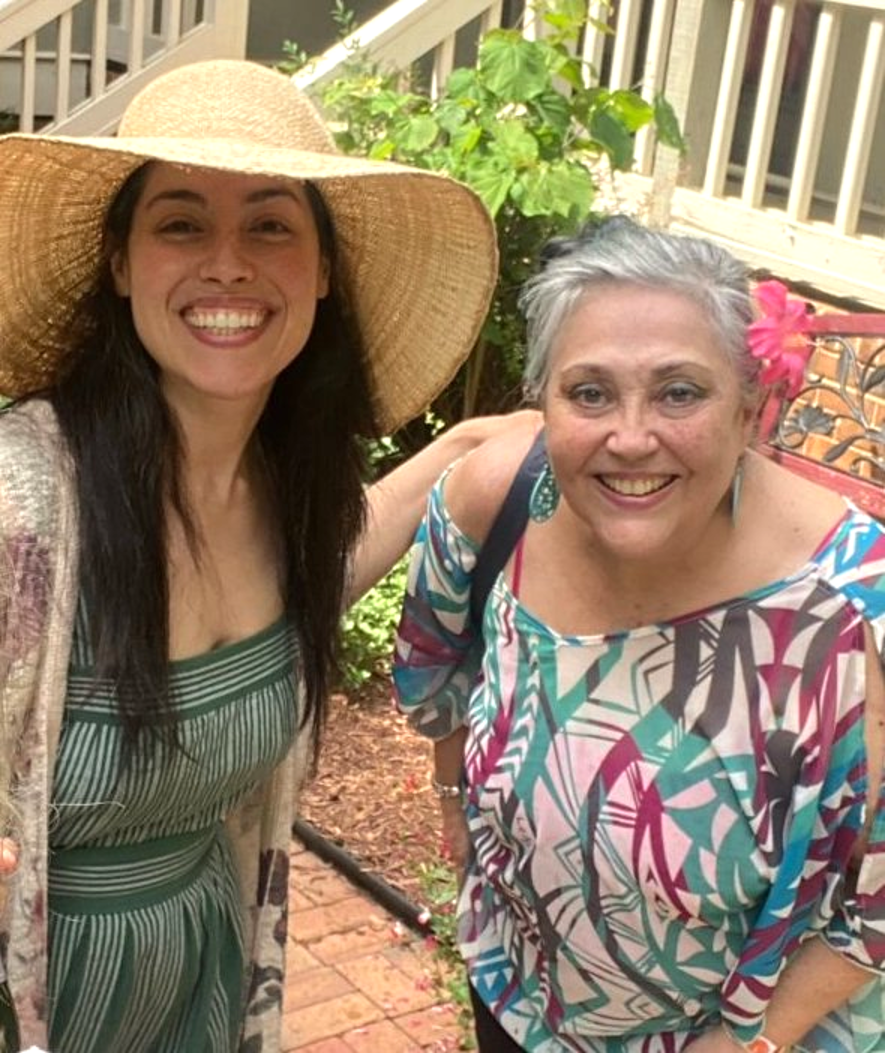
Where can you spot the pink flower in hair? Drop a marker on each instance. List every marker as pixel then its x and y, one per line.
pixel 778 338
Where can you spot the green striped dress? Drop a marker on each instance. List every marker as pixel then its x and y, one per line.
pixel 146 949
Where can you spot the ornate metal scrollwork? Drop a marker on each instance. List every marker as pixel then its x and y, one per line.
pixel 845 406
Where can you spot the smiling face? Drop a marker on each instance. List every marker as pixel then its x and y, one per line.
pixel 645 422
pixel 223 272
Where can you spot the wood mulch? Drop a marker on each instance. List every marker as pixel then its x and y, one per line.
pixel 371 793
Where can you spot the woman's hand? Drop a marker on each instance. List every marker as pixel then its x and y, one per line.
pixel 8 865
pixel 714 1041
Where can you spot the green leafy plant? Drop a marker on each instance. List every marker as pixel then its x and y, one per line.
pixel 368 630
pixel 439 889
pixel 525 128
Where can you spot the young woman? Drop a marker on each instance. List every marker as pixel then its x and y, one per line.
pixel 200 321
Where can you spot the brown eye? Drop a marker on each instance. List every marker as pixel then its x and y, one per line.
pixel 682 394
pixel 178 226
pixel 589 396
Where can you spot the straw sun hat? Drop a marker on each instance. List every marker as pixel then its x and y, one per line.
pixel 417 249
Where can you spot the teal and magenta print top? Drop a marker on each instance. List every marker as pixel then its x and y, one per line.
pixel 660 816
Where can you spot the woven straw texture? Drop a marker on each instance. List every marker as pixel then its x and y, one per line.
pixel 417 250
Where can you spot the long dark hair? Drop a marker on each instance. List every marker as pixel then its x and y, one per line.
pixel 127 453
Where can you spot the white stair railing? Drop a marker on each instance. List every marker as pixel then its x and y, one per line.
pixel 781 102
pixel 784 117
pixel 71 66
pixel 405 32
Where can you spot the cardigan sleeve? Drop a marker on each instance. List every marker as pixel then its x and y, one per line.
pixel 437 653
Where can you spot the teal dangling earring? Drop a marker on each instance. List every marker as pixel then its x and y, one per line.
pixel 735 491
pixel 545 495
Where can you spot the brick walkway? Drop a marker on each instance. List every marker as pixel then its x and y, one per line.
pixel 357 979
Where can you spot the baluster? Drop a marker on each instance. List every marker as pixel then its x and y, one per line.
pixel 769 91
pixel 99 67
pixel 444 59
pixel 653 77
pixel 137 37
pixel 819 87
pixel 861 134
pixel 727 98
pixel 63 66
pixel 29 83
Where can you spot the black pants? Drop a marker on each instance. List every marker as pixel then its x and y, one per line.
pixel 491 1037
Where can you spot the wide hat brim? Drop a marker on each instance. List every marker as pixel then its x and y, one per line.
pixel 417 251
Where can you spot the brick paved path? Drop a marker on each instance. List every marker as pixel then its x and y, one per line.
pixel 357 980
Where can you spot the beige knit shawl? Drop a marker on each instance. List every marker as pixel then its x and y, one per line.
pixel 38 591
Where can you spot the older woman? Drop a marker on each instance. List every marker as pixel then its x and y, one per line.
pixel 199 318
pixel 672 774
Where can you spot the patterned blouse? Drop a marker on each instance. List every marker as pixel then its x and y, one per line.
pixel 659 816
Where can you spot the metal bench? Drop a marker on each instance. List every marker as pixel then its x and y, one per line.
pixel 832 430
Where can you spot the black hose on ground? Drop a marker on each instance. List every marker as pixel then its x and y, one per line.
pixel 390 898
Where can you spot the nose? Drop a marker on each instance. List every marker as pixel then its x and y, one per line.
pixel 225 262
pixel 632 436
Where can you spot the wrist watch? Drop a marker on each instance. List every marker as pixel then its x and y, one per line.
pixel 758 1045
pixel 762 1045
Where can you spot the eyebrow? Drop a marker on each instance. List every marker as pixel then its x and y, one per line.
pixel 256 197
pixel 672 366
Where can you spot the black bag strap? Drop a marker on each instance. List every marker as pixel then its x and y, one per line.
pixel 508 526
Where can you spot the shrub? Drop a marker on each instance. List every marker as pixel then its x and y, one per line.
pixel 368 629
pixel 525 128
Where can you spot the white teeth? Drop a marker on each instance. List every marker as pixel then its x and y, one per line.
pixel 224 320
pixel 636 488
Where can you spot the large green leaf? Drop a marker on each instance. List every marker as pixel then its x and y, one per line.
pixel 465 138
pixel 512 68
pixel 633 111
pixel 462 84
pixel 667 126
pixel 553 111
pixel 568 16
pixel 451 114
pixel 613 137
pixel 491 176
pixel 518 146
pixel 417 134
pixel 559 189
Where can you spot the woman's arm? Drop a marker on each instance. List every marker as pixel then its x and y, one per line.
pixel 448 766
pixel 397 502
pixel 815 981
pixel 818 979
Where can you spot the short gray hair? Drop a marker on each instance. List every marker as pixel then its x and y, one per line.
pixel 621 251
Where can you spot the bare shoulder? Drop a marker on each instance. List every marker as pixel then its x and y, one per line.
pixel 477 485
pixel 796 507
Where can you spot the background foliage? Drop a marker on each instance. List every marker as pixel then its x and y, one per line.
pixel 525 128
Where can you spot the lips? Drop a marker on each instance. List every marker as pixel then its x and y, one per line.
pixel 636 486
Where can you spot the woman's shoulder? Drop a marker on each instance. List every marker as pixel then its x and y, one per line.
pixel 845 544
pixel 793 523
pixel 28 429
pixel 31 456
pixel 806 508
pixel 476 486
